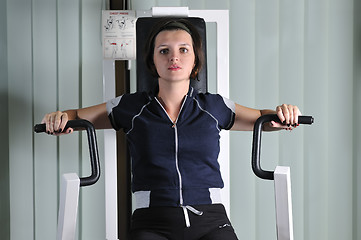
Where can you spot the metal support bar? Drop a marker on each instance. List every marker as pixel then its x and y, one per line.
pixel 110 159
pixel 68 206
pixel 284 221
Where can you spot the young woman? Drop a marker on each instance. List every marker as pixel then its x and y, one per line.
pixel 173 136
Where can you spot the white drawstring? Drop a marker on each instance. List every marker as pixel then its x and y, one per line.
pixel 195 211
pixel 186 216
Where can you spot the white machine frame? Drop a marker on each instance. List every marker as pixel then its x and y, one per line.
pixel 284 219
pixel 221 18
pixel 68 206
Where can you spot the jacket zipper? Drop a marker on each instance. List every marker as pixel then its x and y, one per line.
pixel 181 203
pixel 174 126
pixel 177 164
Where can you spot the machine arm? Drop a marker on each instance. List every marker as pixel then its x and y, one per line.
pixel 93 148
pixel 256 146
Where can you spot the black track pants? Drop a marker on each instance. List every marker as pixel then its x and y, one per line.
pixel 168 223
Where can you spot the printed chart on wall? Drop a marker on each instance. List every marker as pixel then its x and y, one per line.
pixel 119 35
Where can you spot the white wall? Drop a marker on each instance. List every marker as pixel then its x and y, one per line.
pixel 302 52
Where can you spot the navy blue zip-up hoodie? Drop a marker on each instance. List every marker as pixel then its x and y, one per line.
pixel 173 164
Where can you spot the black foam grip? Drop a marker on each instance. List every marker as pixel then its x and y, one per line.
pixel 93 148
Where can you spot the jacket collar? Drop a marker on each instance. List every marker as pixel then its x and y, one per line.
pixel 153 93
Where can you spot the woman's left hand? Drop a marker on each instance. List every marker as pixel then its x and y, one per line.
pixel 288 114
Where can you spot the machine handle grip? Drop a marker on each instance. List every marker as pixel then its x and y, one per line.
pixel 93 148
pixel 256 145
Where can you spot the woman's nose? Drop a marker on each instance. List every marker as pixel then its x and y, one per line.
pixel 174 56
pixel 174 59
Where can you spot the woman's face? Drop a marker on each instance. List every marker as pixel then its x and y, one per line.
pixel 173 55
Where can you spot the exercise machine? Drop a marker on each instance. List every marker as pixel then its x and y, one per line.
pixel 281 177
pixel 71 182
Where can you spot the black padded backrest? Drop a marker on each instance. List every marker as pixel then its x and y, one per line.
pixel 145 81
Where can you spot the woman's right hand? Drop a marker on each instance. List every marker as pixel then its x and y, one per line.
pixel 56 122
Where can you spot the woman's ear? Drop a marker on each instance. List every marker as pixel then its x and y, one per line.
pixel 194 73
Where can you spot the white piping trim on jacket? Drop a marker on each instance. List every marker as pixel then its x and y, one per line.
pixel 137 115
pixel 215 119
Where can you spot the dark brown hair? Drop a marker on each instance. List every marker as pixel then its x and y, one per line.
pixel 172 25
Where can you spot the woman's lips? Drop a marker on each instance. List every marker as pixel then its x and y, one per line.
pixel 174 68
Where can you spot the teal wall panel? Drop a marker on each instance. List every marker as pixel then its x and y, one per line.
pixel 356 126
pixel 316 155
pixel 340 75
pixel 242 90
pixel 291 90
pixel 44 63
pixel 69 81
pixel 20 84
pixel 92 212
pixel 4 123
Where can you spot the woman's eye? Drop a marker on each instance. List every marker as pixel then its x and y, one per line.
pixel 164 51
pixel 183 50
